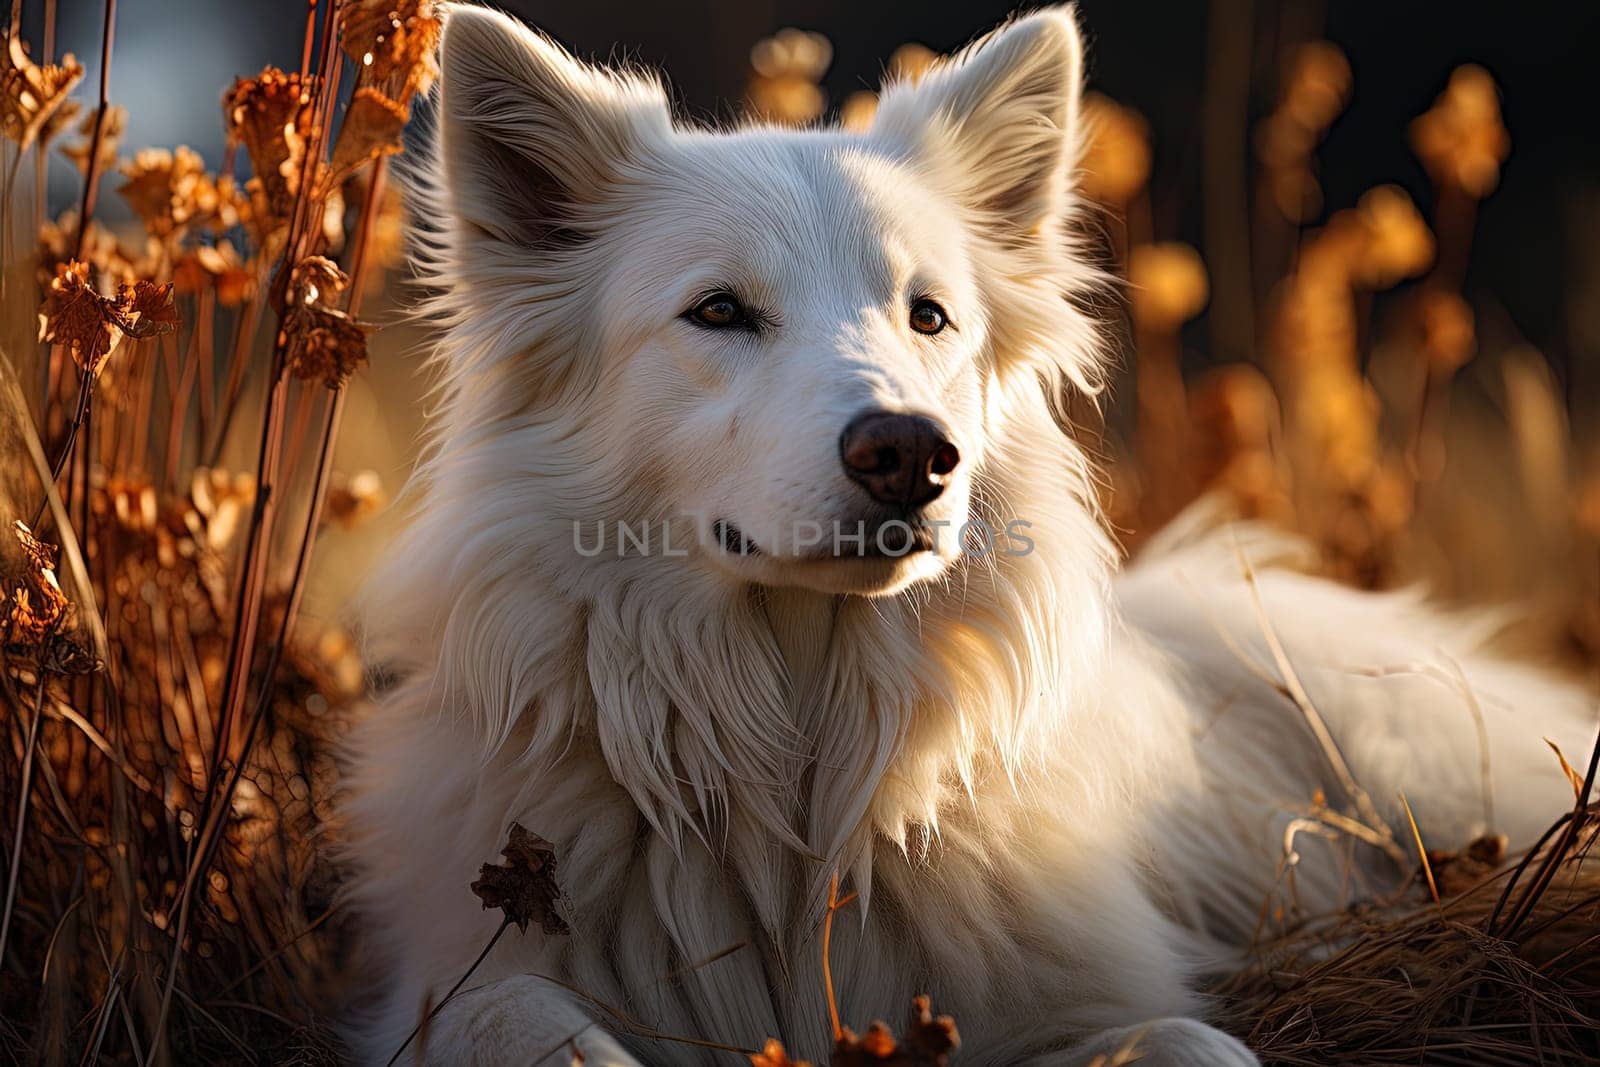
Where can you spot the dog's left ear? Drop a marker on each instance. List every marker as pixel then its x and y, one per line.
pixel 1005 112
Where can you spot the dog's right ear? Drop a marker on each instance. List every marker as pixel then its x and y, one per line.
pixel 531 137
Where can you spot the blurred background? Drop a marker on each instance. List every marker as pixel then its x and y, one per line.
pixel 1533 250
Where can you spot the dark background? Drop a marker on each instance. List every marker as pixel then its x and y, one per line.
pixel 1535 271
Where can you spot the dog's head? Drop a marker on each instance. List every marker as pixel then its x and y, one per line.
pixel 807 341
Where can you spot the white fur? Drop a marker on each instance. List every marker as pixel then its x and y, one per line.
pixel 1061 795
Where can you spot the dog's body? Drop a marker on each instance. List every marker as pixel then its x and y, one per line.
pixel 1061 796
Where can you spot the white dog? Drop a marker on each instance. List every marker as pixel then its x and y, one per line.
pixel 863 617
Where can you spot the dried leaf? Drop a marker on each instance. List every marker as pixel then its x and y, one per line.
pixel 525 886
pixel 147 309
pixel 1568 769
pixel 371 129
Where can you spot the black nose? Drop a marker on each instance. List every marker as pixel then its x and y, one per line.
pixel 899 459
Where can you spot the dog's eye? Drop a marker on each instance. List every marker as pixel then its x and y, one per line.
pixel 928 317
pixel 719 311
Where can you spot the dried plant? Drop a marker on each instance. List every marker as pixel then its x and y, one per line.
pixel 168 714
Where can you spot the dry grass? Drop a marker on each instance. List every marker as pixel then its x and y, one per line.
pixel 165 768
pixel 165 781
pixel 1502 967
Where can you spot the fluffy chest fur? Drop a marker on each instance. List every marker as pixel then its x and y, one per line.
pixel 992 870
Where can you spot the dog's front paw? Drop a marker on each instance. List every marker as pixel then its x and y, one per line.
pixel 1168 1042
pixel 524 1021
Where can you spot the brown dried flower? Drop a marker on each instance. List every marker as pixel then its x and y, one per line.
pixel 316 278
pixel 786 69
pixel 1116 162
pixel 773 1054
pixel 41 555
pixel 37 604
pixel 74 315
pixel 525 886
pixel 324 344
pixel 928 1042
pixel 216 265
pixel 1461 139
pixel 90 325
pixel 353 500
pixel 1315 89
pixel 1398 241
pixel 146 308
pixel 59 120
pixel 270 115
pixel 321 342
pixel 1449 336
pixel 111 131
pixel 170 190
pixel 58 241
pixel 29 93
pixel 1168 285
pixel 394 41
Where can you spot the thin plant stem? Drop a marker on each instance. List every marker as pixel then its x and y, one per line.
pixel 25 789
pixel 85 390
pixel 437 1008
pixel 834 904
pixel 91 178
pixel 246 615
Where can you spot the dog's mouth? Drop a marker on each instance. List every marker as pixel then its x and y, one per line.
pixel 895 539
pixel 733 540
